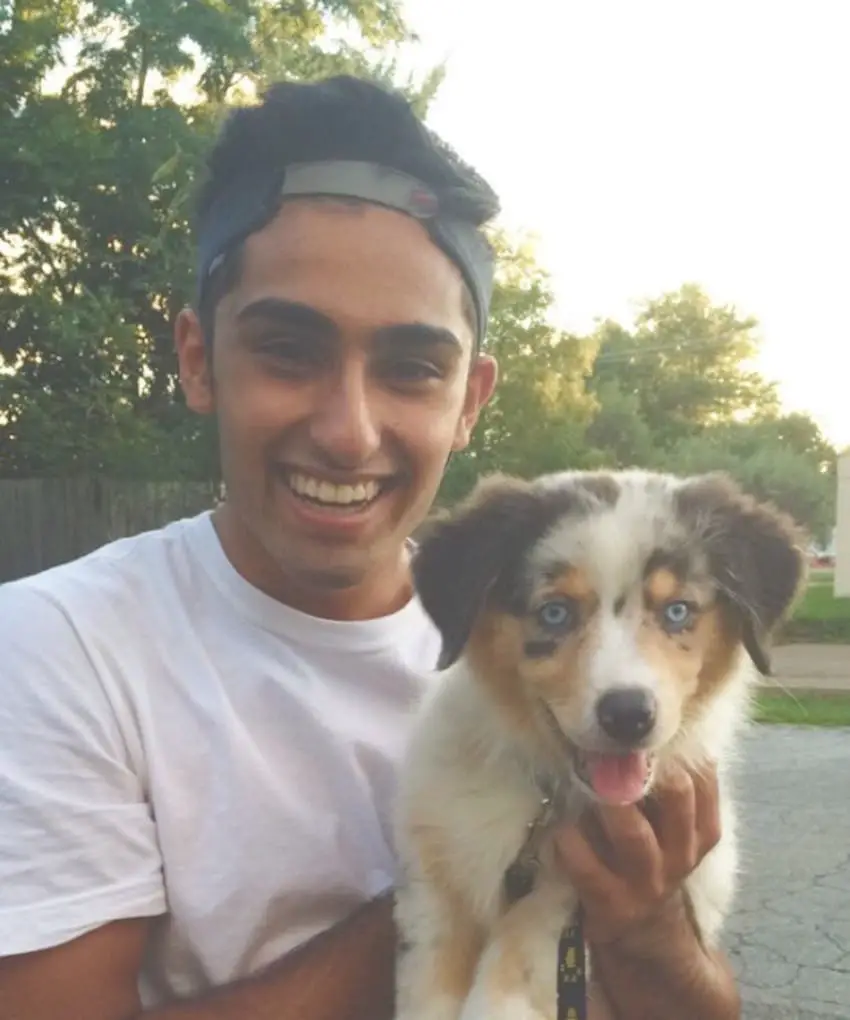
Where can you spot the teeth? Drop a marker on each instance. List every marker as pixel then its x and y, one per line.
pixel 326 492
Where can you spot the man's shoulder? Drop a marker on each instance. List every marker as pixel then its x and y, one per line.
pixel 119 576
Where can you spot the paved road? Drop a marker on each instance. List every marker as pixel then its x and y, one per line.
pixel 789 938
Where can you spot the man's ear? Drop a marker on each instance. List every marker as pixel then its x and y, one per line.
pixel 467 551
pixel 483 375
pixel 755 554
pixel 193 360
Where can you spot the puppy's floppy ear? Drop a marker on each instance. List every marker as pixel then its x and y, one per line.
pixel 755 554
pixel 466 552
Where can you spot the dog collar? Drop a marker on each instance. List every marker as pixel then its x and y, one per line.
pixel 519 879
pixel 522 873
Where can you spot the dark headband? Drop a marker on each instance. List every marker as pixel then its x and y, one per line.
pixel 254 197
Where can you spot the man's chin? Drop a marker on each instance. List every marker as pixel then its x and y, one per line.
pixel 332 577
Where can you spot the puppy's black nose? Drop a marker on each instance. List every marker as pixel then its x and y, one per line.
pixel 627 714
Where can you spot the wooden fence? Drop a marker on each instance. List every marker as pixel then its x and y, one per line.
pixel 48 521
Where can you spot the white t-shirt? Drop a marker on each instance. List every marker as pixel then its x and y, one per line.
pixel 173 742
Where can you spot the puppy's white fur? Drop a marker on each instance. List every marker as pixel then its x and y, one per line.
pixel 469 788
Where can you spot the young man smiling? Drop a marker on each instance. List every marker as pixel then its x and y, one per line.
pixel 199 726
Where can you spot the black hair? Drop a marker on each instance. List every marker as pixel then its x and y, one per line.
pixel 342 117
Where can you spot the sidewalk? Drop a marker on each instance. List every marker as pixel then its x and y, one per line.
pixel 811 668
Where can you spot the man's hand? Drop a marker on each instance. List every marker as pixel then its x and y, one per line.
pixel 628 865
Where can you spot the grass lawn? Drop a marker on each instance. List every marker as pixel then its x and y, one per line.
pixel 819 601
pixel 820 616
pixel 802 709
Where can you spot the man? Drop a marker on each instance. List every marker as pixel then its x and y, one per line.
pixel 199 727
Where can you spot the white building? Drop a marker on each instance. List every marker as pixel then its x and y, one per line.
pixel 842 527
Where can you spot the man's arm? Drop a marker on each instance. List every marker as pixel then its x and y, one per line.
pixel 344 974
pixel 78 844
pixel 629 874
pixel 665 973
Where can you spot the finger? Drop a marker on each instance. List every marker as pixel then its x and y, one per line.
pixel 594 882
pixel 632 839
pixel 709 825
pixel 610 905
pixel 591 828
pixel 675 802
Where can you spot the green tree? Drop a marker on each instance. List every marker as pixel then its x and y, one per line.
pixel 783 459
pixel 538 416
pixel 678 392
pixel 796 433
pixel 97 164
pixel 618 434
pixel 686 364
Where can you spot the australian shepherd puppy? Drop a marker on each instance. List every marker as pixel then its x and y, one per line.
pixel 595 627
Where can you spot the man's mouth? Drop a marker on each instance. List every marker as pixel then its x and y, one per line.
pixel 334 496
pixel 615 778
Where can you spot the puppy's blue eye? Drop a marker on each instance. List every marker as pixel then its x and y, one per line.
pixel 556 615
pixel 677 615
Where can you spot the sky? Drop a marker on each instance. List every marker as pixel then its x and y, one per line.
pixel 649 144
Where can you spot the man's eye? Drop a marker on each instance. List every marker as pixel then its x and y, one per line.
pixel 283 347
pixel 287 353
pixel 413 371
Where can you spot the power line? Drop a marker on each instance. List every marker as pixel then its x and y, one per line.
pixel 616 357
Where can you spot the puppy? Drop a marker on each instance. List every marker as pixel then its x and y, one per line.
pixel 595 627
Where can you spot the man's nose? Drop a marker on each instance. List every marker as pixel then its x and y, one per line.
pixel 344 425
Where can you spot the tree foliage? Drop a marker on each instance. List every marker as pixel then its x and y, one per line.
pixel 684 364
pixel 618 435
pixel 782 459
pixel 541 408
pixel 98 153
pixel 678 393
pixel 106 107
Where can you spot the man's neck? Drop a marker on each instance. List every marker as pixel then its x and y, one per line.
pixel 378 593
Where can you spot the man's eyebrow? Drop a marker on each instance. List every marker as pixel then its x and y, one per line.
pixel 291 313
pixel 417 335
pixel 408 335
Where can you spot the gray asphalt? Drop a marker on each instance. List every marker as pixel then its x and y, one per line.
pixel 789 937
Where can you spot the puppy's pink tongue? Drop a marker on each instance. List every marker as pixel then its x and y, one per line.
pixel 618 778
